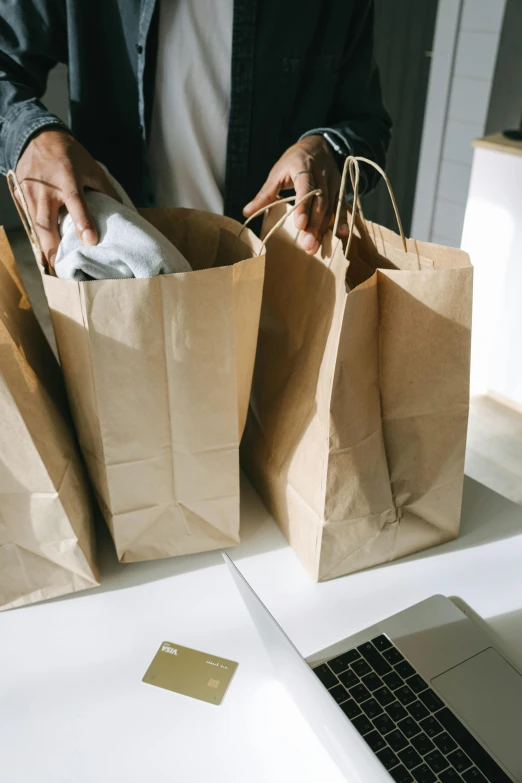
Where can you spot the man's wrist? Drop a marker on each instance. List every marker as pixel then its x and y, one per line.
pixel 22 121
pixel 336 150
pixel 329 143
pixel 55 127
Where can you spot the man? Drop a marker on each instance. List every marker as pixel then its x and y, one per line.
pixel 199 103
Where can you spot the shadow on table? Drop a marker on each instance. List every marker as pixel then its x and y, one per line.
pixel 486 517
pixel 259 534
pixel 504 629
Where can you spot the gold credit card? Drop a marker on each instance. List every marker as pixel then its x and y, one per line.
pixel 190 672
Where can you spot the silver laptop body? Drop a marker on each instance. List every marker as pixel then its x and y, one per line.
pixel 456 716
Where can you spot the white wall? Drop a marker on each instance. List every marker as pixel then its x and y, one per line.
pixel 493 238
pixel 463 66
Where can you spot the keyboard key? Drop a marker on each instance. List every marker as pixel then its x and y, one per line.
pixel 338 693
pixel 444 743
pixel 450 776
pixel 405 669
pixel 409 727
pixel 362 724
pixel 384 696
pixel 416 683
pixel 372 681
pixel 474 749
pixel 384 724
pixel 405 695
pixel 349 678
pixel 422 744
pixel 401 775
pixel 423 774
pixel 392 680
pixel 431 700
pixel 361 668
pixel 387 758
pixel 459 760
pixel 418 710
pixel 393 656
pixel 375 741
pixel 326 676
pixel 372 708
pixel 351 709
pixel 410 758
pixel 396 740
pixel 436 761
pixel 382 643
pixel 473 775
pixel 431 726
pixel 396 711
pixel 374 658
pixel 342 662
pixel 359 693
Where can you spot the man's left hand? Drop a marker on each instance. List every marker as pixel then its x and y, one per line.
pixel 306 166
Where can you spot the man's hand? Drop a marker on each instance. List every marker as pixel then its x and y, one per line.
pixel 53 171
pixel 307 165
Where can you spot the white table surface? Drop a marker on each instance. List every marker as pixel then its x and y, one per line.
pixel 73 708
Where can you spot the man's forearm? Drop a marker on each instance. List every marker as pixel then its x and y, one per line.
pixel 31 43
pixel 20 120
pixel 360 123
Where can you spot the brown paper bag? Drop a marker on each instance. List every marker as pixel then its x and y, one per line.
pixel 357 433
pixel 46 543
pixel 158 373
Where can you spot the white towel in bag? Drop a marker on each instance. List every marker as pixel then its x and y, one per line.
pixel 128 245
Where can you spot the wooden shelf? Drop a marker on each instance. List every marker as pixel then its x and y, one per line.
pixel 499 143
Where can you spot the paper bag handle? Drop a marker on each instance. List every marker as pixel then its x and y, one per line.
pixel 281 220
pixel 351 165
pixel 20 201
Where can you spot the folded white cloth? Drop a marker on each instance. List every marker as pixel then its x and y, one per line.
pixel 128 245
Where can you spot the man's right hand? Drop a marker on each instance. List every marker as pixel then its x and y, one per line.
pixel 53 171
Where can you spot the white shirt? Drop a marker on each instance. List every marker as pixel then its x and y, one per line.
pixel 188 140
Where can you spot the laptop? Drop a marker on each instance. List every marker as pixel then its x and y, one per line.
pixel 422 697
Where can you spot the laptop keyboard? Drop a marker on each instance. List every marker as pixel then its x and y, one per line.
pixel 405 723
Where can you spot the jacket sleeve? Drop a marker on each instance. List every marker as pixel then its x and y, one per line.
pixel 33 39
pixel 360 125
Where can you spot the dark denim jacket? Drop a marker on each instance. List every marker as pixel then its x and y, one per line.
pixel 297 67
